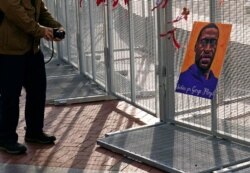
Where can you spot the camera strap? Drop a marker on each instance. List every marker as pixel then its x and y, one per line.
pixel 52 54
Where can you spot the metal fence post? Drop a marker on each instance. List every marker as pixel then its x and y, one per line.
pixel 109 54
pixel 92 36
pixel 212 5
pixel 55 9
pixel 166 61
pixel 131 51
pixel 161 67
pixel 80 41
pixel 67 35
pixel 58 47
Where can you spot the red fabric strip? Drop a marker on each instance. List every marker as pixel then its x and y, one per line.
pixel 80 3
pixel 115 3
pixel 171 34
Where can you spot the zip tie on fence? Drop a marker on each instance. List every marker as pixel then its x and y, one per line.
pixel 184 15
pixel 160 3
pixel 171 34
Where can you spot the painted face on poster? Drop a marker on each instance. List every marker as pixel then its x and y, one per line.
pixel 204 59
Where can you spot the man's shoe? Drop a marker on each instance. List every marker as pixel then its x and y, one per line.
pixel 41 138
pixel 13 148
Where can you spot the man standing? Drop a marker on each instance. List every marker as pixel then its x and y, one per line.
pixel 23 24
pixel 199 79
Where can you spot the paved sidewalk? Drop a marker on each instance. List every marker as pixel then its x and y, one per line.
pixel 77 127
pixel 14 168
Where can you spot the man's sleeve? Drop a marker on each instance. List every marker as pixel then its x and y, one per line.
pixel 16 13
pixel 46 19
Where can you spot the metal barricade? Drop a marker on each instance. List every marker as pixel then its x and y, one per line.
pixel 116 47
pixel 120 48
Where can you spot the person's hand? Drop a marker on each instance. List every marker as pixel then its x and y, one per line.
pixel 48 34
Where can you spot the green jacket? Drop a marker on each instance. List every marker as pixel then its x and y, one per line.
pixel 21 28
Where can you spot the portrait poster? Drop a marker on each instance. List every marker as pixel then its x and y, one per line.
pixel 204 59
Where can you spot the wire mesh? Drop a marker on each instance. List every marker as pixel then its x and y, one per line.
pixel 99 43
pixel 86 37
pixel 233 90
pixel 60 6
pixel 121 59
pixel 72 32
pixel 145 53
pixel 47 45
pixel 136 27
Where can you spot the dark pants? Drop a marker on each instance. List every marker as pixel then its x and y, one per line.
pixel 17 71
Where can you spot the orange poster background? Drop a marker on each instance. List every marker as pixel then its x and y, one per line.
pixel 225 30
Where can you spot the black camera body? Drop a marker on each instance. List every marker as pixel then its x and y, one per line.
pixel 58 33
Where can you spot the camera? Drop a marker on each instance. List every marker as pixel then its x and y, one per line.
pixel 58 34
